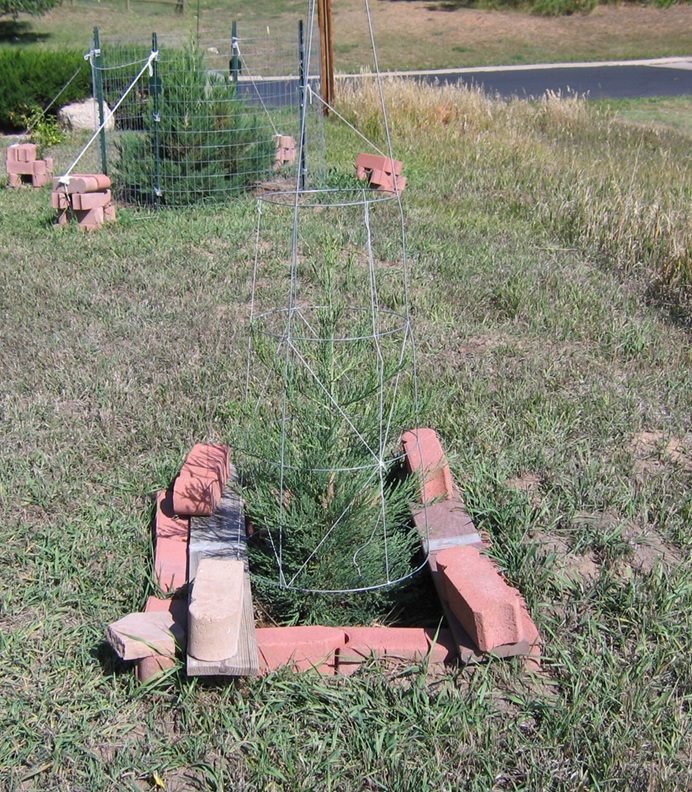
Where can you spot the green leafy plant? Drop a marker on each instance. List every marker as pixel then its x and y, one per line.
pixel 200 140
pixel 44 130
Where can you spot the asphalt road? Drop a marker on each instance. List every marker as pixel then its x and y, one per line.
pixel 662 77
pixel 612 80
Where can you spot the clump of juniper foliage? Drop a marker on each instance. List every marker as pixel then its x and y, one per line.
pixel 336 521
pixel 207 144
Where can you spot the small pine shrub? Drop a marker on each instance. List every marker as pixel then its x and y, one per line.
pixel 30 79
pixel 336 521
pixel 210 143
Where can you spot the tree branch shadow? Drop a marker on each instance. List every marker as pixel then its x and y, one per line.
pixel 14 31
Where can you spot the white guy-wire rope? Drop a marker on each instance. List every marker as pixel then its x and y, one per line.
pixel 65 178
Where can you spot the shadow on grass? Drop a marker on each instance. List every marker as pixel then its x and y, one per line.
pixel 12 31
pixel 443 5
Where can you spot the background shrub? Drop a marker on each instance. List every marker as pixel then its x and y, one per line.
pixel 30 79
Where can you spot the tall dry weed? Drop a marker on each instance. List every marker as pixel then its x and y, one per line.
pixel 597 182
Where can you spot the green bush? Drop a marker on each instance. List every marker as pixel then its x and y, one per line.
pixel 206 144
pixel 30 79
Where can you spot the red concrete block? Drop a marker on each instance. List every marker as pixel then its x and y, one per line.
pixel 27 152
pixel 168 524
pixel 413 644
pixel 378 162
pixel 62 218
pixel 15 180
pixel 109 213
pixel 448 525
pixel 91 219
pixel 20 167
pixel 202 480
pixel 301 648
pixel 59 200
pixel 40 180
pixel 488 609
pixel 424 455
pixel 84 182
pixel 170 563
pixel 11 155
pixel 149 667
pixel 91 200
pixel 49 164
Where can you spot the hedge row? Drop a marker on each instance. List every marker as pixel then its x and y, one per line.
pixel 30 79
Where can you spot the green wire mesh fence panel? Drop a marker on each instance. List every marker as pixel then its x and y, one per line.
pixel 209 121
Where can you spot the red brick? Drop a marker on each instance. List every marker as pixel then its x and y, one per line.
pixel 488 608
pixel 40 180
pixel 26 152
pixel 91 200
pixel 168 524
pixel 59 200
pixel 378 162
pixel 202 480
pixel 20 166
pixel 90 219
pixel 413 644
pixel 84 183
pixel 301 648
pixel 170 563
pixel 149 667
pixel 424 455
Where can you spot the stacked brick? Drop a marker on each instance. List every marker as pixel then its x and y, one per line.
pixel 381 173
pixel 478 602
pixel 486 615
pixel 23 165
pixel 86 197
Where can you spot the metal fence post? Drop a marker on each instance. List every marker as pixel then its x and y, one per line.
pixel 155 89
pixel 235 59
pixel 98 86
pixel 303 167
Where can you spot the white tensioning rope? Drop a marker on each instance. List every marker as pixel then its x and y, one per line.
pixel 65 178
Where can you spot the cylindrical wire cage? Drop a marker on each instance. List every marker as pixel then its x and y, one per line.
pixel 211 119
pixel 332 385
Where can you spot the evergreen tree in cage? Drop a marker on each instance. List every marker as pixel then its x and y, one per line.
pixel 207 143
pixel 322 484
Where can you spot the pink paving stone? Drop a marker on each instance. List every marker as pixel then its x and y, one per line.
pixel 424 455
pixel 488 609
pixel 170 563
pixel 302 648
pixel 168 524
pixel 394 643
pixel 202 480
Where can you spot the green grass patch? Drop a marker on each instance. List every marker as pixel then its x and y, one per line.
pixel 561 390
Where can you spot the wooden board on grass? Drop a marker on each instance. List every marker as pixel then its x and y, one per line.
pixel 222 535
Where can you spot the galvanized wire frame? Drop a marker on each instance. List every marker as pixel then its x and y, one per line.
pixel 363 223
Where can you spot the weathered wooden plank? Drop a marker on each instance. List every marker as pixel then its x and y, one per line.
pixel 222 535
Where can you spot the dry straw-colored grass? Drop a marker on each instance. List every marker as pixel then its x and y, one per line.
pixel 598 182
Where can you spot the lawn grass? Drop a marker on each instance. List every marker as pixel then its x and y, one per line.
pixel 415 34
pixel 559 379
